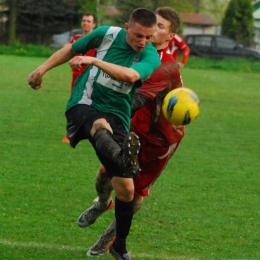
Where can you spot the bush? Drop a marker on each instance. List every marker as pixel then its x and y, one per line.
pixel 26 50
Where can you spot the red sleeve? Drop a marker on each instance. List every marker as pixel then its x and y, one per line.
pixel 74 38
pixel 185 54
pixel 166 77
pixel 91 52
pixel 176 44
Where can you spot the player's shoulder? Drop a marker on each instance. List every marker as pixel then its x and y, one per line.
pixel 177 38
pixel 110 33
pixel 151 50
pixel 150 56
pixel 109 30
pixel 165 55
pixel 75 38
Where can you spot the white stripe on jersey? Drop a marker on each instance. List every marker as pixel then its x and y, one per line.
pixel 104 79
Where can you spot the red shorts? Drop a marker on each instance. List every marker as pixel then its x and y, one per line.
pixel 152 160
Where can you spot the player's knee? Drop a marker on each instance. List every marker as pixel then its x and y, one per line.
pixel 102 174
pixel 125 194
pixel 124 188
pixel 100 124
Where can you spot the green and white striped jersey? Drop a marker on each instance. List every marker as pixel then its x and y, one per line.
pixel 96 88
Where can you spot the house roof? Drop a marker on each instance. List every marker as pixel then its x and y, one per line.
pixel 200 19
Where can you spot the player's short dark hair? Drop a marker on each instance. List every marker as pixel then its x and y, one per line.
pixel 171 15
pixel 90 14
pixel 143 16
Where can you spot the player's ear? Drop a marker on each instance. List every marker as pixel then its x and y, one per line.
pixel 126 26
pixel 171 36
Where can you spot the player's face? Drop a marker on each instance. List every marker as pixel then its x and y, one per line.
pixel 138 36
pixel 162 35
pixel 87 23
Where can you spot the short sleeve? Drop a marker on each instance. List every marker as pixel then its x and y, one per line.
pixel 149 61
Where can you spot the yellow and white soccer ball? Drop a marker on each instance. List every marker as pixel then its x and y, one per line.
pixel 181 106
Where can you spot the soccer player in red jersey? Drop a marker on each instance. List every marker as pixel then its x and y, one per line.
pixel 177 44
pixel 159 139
pixel 87 24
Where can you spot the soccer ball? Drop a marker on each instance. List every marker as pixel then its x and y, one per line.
pixel 180 106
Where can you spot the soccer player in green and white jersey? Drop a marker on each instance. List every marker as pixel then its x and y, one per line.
pixel 99 108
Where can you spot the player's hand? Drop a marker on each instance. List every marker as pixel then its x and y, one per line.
pixel 180 65
pixel 35 80
pixel 78 61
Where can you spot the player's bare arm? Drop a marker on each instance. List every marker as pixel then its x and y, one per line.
pixel 115 71
pixel 61 56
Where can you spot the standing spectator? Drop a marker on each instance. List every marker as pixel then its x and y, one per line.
pixel 87 24
pixel 177 44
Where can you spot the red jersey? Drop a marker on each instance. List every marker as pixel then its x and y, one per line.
pixel 89 53
pixel 148 122
pixel 177 44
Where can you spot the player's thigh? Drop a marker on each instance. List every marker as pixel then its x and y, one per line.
pixel 119 131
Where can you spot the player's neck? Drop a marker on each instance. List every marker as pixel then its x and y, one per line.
pixel 160 46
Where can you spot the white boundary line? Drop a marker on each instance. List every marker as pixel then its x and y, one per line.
pixel 73 249
pixel 39 245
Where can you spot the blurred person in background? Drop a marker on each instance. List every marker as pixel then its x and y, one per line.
pixel 87 24
pixel 177 44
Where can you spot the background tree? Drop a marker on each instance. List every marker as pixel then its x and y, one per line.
pixel 127 6
pixel 12 22
pixel 215 8
pixel 84 6
pixel 95 7
pixel 238 21
pixel 38 20
pixel 4 20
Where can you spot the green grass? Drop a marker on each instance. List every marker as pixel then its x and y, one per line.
pixel 236 65
pixel 28 50
pixel 206 205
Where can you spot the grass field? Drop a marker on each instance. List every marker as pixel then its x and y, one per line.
pixel 206 205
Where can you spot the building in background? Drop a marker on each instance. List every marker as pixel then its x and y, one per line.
pixel 194 23
pixel 256 16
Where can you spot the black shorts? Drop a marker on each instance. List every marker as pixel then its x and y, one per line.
pixel 80 119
